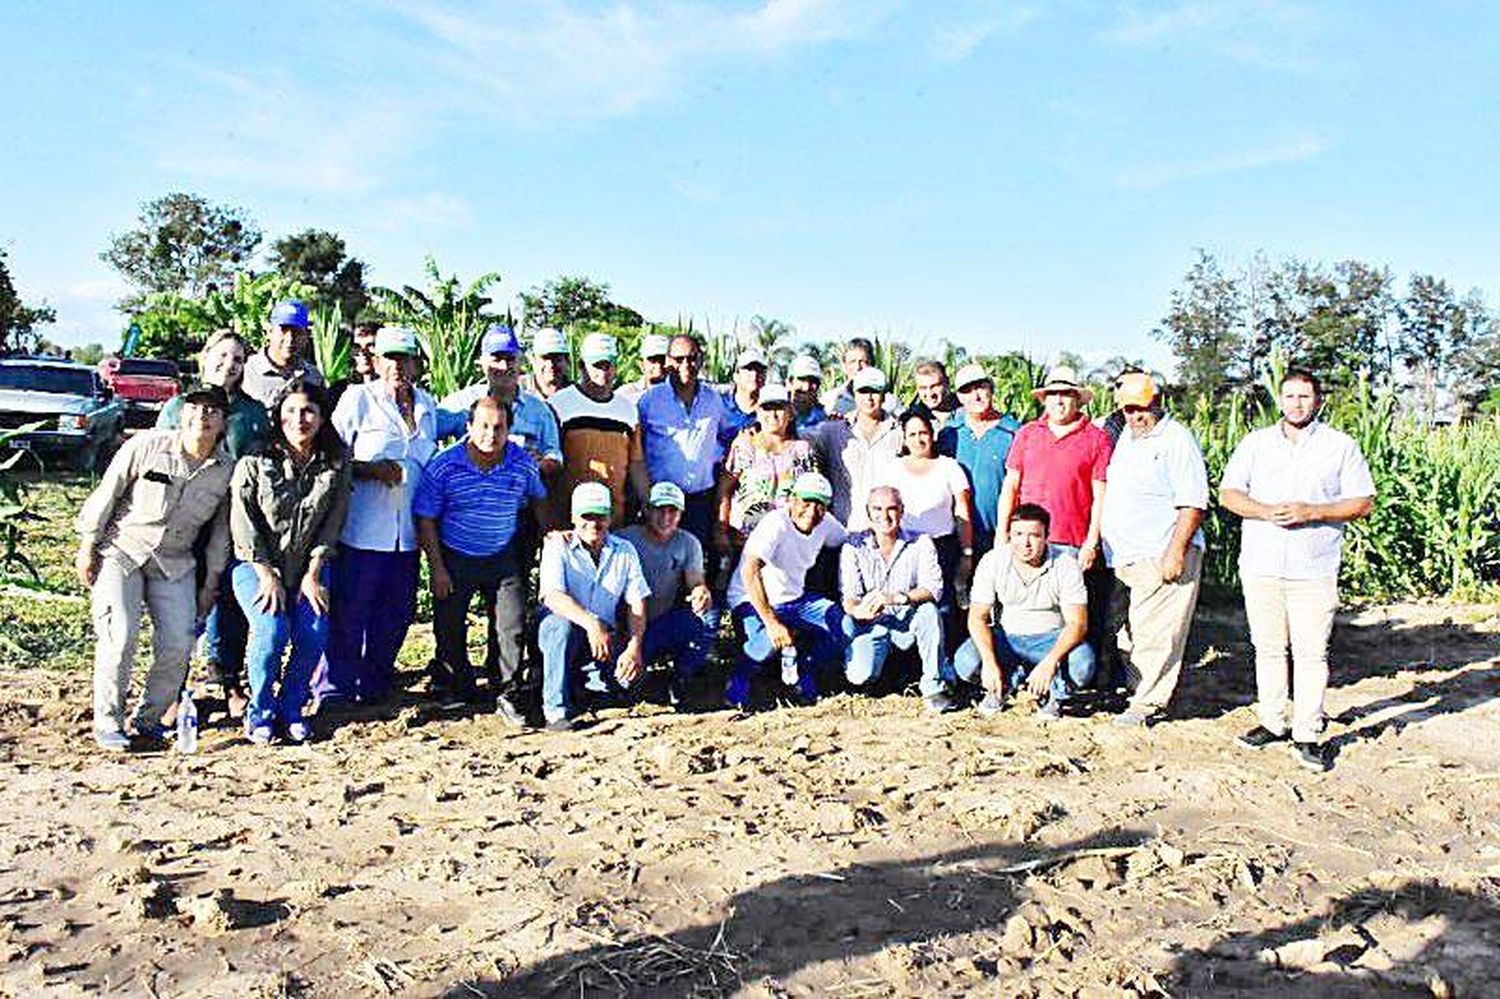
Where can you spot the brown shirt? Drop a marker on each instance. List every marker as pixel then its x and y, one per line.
pixel 151 503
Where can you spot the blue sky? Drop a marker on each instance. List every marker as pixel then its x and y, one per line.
pixel 1005 175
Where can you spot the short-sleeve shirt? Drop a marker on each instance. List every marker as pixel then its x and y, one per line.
pixel 1058 474
pixel 927 499
pixel 477 510
pixel 913 563
pixel 599 587
pixel 1150 479
pixel 1029 608
pixel 370 424
pixel 600 441
pixel 854 463
pixel 681 443
pixel 735 418
pixel 1324 465
pixel 533 425
pixel 764 479
pixel 666 566
pixel 787 555
pixel 983 460
pixel 263 379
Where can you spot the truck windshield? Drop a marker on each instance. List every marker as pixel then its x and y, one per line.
pixel 42 379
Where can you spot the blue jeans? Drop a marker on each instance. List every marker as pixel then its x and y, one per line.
pixel 684 638
pixel 1018 653
pixel 225 633
pixel 565 648
pixel 816 622
pixel 869 642
pixel 373 601
pixel 299 626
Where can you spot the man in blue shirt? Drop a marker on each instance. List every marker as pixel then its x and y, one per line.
pixel 589 582
pixel 979 439
pixel 805 382
pixel 469 506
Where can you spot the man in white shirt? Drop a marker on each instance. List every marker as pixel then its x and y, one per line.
pixel 771 607
pixel 1153 540
pixel 1296 484
pixel 855 451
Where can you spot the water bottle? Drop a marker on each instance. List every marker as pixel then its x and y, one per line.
pixel 187 725
pixel 789 666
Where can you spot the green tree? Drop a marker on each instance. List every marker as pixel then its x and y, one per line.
pixel 183 245
pixel 1435 331
pixel 1334 321
pixel 567 301
pixel 1206 330
pixel 18 321
pixel 318 258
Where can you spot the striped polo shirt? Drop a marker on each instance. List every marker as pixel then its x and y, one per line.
pixel 477 511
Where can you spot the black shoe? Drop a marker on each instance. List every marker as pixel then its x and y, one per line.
pixel 1311 756
pixel 506 710
pixel 940 703
pixel 1260 736
pixel 561 725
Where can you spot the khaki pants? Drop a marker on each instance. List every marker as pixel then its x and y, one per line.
pixel 1299 613
pixel 1153 635
pixel 116 609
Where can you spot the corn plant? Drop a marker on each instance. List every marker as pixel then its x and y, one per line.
pixel 449 319
pixel 331 343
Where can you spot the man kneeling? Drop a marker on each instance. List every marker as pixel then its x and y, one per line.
pixel 587 579
pixel 891 584
pixel 1043 620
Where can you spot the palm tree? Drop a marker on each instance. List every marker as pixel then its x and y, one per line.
pixel 449 319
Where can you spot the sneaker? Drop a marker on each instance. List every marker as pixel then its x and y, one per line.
pixel 506 711
pixel 1260 736
pixel 1311 756
pixel 806 690
pixel 1131 719
pixel 737 692
pixel 560 725
pixel 150 736
pixel 260 735
pixel 113 741
pixel 298 732
pixel 991 705
pixel 1049 710
pixel 940 703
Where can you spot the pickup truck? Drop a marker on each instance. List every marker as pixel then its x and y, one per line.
pixel 143 384
pixel 81 420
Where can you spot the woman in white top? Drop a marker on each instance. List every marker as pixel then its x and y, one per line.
pixel 390 428
pixel 934 499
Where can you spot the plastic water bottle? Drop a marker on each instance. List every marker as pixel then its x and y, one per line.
pixel 187 725
pixel 789 666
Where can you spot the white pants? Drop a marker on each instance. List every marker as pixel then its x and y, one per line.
pixel 1299 613
pixel 116 609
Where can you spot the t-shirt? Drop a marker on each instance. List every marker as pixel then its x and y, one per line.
pixel 665 565
pixel 1150 477
pixel 1029 608
pixel 477 511
pixel 1058 474
pixel 927 498
pixel 787 554
pixel 600 441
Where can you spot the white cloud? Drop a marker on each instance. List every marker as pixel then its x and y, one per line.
pixel 1164 174
pixel 96 290
pixel 1272 34
pixel 432 210
pixel 953 43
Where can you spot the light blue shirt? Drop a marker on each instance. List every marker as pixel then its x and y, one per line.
pixel 568 567
pixel 371 426
pixel 533 425
pixel 681 443
pixel 1150 479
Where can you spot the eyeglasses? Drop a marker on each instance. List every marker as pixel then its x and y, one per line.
pixel 684 358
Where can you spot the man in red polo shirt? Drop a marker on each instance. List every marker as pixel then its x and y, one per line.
pixel 1058 462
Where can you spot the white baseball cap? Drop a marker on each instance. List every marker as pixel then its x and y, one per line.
pixel 870 379
pixel 655 345
pixel 592 498
pixel 805 366
pixel 749 356
pixel 550 341
pixel 599 347
pixel 813 486
pixel 774 394
pixel 968 375
pixel 667 494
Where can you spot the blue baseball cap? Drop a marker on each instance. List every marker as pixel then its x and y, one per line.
pixel 290 314
pixel 500 339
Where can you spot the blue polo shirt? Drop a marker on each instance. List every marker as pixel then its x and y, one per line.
pixel 533 425
pixel 983 460
pixel 682 444
pixel 814 416
pixel 477 511
pixel 736 420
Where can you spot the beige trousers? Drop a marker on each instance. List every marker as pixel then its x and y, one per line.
pixel 116 607
pixel 1299 613
pixel 1153 634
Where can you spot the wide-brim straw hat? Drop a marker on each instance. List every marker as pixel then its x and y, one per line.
pixel 1064 379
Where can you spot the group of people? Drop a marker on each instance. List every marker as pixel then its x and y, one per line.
pixel 607 528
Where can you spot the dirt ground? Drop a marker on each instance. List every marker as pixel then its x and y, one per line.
pixel 855 848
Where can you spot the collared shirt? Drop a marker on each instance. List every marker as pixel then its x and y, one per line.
pixel 667 566
pixel 682 442
pixel 982 458
pixel 533 425
pixel 477 510
pixel 370 423
pixel 247 428
pixel 599 587
pixel 839 400
pixel 264 379
pixel 1324 465
pixel 1150 478
pixel 600 441
pixel 151 502
pixel 1031 607
pixel 786 553
pixel 854 463
pixel 637 388
pixel 913 563
pixel 1058 473
pixel 735 418
pixel 815 415
pixel 284 516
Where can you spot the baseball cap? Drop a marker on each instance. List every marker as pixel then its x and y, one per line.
pixel 396 340
pixel 599 347
pixel 207 395
pixel 290 313
pixel 499 339
pixel 773 395
pixel 655 345
pixel 592 498
pixel 1135 389
pixel 550 341
pixel 813 486
pixel 968 375
pixel 805 366
pixel 869 380
pixel 750 356
pixel 667 494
